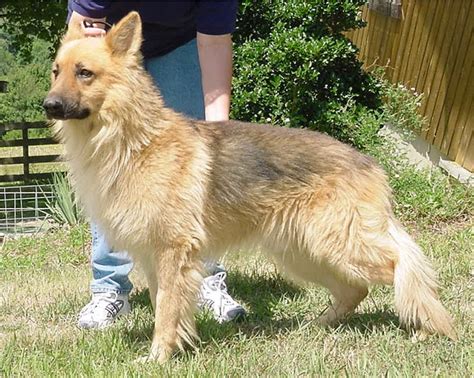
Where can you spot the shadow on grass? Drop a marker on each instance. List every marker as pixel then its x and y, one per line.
pixel 366 323
pixel 260 295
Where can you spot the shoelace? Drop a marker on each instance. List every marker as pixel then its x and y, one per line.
pixel 218 281
pixel 219 284
pixel 110 297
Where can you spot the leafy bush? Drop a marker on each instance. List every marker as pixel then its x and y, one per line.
pixel 28 84
pixel 293 66
pixel 29 20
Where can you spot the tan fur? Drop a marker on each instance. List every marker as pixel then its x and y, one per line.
pixel 171 191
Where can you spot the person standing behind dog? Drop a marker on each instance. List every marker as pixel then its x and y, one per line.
pixel 188 51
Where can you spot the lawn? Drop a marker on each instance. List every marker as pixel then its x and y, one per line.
pixel 44 283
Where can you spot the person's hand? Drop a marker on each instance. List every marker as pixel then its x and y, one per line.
pixel 96 30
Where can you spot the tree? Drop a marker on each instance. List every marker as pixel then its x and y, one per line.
pixel 27 20
pixel 28 84
pixel 29 33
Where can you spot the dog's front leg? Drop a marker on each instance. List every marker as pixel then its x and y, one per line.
pixel 178 270
pixel 149 268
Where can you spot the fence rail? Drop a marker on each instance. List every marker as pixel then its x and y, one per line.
pixel 429 48
pixel 10 155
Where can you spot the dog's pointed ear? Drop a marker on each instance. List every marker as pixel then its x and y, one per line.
pixel 126 36
pixel 74 31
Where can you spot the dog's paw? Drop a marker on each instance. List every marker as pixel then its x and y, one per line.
pixel 328 318
pixel 160 357
pixel 419 335
pixel 325 321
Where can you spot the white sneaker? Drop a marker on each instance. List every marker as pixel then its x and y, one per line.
pixel 214 296
pixel 102 310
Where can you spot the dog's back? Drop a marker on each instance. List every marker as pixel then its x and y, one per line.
pixel 261 174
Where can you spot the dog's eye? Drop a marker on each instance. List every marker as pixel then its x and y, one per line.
pixel 55 72
pixel 84 73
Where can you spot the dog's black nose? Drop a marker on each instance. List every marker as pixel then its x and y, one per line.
pixel 53 105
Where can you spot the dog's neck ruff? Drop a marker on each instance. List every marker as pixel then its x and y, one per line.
pixel 108 141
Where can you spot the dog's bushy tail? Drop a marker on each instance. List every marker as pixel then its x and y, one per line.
pixel 416 296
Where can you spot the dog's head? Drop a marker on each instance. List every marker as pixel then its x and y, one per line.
pixel 86 68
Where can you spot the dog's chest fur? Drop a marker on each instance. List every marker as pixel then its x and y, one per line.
pixel 138 197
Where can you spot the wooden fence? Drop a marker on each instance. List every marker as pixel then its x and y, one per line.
pixel 428 45
pixel 19 164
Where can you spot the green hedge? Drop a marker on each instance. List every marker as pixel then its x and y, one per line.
pixel 293 66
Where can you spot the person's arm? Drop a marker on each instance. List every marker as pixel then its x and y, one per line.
pixel 215 58
pixel 215 21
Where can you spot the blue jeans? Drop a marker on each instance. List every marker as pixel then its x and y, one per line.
pixel 178 76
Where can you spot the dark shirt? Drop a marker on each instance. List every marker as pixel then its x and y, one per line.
pixel 166 24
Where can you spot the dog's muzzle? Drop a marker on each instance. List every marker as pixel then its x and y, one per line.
pixel 58 108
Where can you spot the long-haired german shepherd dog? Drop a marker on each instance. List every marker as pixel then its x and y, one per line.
pixel 172 190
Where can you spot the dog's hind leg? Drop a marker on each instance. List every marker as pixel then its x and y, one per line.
pixel 346 297
pixel 179 277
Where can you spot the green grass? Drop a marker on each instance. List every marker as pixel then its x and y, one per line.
pixel 44 284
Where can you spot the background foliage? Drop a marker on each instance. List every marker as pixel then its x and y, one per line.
pixel 27 20
pixel 29 33
pixel 28 82
pixel 294 67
